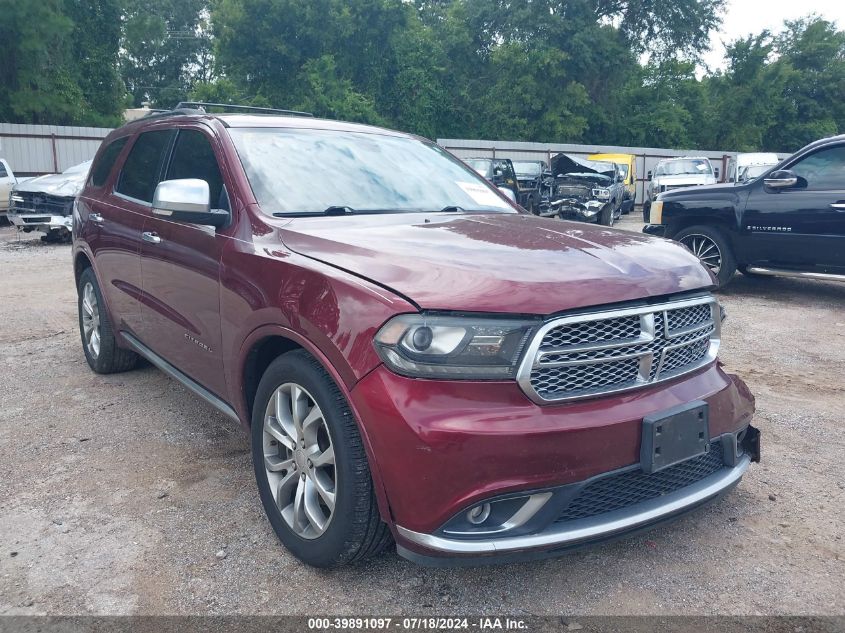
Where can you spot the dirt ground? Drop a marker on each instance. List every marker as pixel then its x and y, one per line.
pixel 125 494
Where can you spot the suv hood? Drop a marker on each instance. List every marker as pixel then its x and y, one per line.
pixel 510 263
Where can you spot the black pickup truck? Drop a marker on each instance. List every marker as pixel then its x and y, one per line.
pixel 789 221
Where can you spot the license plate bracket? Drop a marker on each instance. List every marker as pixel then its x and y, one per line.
pixel 674 435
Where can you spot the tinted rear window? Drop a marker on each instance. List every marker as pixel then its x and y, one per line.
pixel 140 173
pixel 101 170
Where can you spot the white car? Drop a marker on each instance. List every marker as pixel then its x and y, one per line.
pixel 676 173
pixel 46 203
pixel 7 181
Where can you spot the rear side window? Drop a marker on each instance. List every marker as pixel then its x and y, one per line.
pixel 140 173
pixel 3 173
pixel 101 170
pixel 193 157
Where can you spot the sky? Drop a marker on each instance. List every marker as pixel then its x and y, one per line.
pixel 746 17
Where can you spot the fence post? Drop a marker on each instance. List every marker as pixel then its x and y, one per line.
pixel 55 154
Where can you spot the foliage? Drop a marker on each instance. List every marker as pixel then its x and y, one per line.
pixel 606 72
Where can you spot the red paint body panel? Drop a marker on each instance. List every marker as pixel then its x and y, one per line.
pixel 443 445
pixel 498 262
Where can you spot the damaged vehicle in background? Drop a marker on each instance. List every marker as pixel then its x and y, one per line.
pixel 534 175
pixel 586 190
pixel 46 203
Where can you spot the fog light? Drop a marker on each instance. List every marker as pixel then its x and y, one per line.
pixel 479 514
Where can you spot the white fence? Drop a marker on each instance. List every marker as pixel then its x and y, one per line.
pixel 33 150
pixel 646 157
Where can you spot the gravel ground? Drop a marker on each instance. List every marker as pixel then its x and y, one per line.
pixel 124 494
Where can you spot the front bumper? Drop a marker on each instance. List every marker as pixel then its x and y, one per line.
pixel 445 447
pixel 580 212
pixel 39 221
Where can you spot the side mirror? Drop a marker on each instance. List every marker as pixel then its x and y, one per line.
pixel 508 194
pixel 649 175
pixel 187 200
pixel 781 179
pixel 716 173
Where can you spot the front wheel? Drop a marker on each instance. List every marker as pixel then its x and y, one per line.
pixel 711 247
pixel 608 215
pixel 311 468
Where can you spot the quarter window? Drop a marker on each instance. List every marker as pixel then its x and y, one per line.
pixel 824 170
pixel 100 172
pixel 193 157
pixel 140 173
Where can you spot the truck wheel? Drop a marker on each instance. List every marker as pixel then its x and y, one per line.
pixel 646 210
pixel 311 468
pixel 102 352
pixel 711 247
pixel 608 215
pixel 531 208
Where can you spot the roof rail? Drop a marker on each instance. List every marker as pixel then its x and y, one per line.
pixel 202 105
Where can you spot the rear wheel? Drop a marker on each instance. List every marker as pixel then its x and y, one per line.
pixel 102 352
pixel 711 247
pixel 646 211
pixel 311 468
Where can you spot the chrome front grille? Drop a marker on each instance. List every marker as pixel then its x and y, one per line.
pixel 606 352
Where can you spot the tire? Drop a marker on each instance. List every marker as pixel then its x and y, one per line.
pixel 712 248
pixel 531 207
pixel 607 215
pixel 317 534
pixel 646 210
pixel 101 350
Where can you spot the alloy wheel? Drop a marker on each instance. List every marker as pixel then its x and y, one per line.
pixel 299 460
pixel 91 320
pixel 706 250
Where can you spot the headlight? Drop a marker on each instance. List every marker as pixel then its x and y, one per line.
pixel 655 213
pixel 601 194
pixel 440 346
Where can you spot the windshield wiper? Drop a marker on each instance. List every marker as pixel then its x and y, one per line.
pixel 333 210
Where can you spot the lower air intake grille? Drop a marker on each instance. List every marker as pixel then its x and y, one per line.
pixel 626 489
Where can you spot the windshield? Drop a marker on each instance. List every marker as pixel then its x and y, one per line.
pixel 697 166
pixel 480 165
pixel 527 167
pixel 623 171
pixel 308 171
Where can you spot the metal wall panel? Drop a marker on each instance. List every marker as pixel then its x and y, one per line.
pixel 46 149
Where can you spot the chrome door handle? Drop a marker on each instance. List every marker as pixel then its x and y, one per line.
pixel 150 237
pixel 96 218
pixel 839 206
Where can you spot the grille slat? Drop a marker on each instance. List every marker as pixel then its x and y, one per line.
pixel 597 354
pixel 635 486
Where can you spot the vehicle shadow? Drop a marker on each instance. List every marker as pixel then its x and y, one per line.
pixel 799 291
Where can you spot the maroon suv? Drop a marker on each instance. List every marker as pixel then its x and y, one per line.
pixel 416 359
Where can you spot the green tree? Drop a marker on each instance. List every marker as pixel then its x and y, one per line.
pixel 36 85
pixel 162 49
